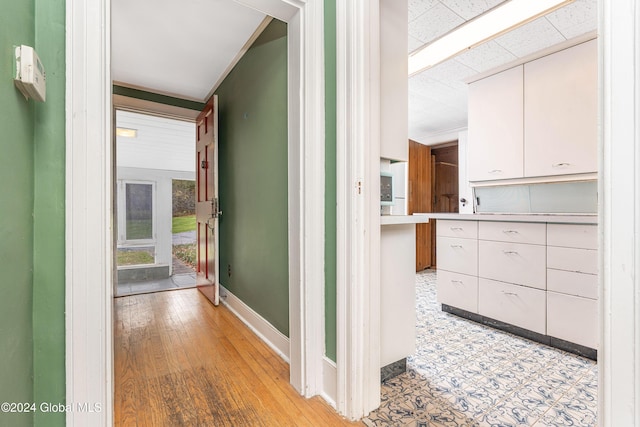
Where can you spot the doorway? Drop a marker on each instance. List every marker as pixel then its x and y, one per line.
pixel 154 156
pixel 89 198
pixel 433 188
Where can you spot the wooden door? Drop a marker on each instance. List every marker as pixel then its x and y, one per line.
pixel 420 195
pixel 207 209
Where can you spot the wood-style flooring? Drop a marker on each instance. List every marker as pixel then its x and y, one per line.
pixel 180 361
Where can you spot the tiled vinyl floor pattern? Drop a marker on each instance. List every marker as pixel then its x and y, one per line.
pixel 466 374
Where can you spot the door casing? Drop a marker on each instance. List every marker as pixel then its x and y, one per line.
pixel 89 210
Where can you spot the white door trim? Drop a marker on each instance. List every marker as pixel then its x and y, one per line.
pixel 89 216
pixel 358 216
pixel 619 216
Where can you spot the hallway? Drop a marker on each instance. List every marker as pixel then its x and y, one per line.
pixel 180 361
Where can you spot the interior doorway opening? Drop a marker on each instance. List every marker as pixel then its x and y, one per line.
pixel 154 157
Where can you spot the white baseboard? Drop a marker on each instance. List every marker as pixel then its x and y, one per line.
pixel 258 324
pixel 329 383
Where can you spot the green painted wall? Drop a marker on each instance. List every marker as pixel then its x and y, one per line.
pixel 330 178
pixel 253 178
pixel 16 227
pixel 49 220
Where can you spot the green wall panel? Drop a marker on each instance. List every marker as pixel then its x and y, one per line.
pixel 330 178
pixel 16 221
pixel 49 220
pixel 253 178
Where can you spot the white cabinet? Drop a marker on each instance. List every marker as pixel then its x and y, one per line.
pixel 572 283
pixel 517 263
pixel 561 112
pixel 495 145
pixel 457 255
pixel 572 318
pixel 517 305
pixel 537 276
pixel 458 290
pixel 536 120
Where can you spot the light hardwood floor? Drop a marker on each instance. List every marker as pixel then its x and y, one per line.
pixel 180 361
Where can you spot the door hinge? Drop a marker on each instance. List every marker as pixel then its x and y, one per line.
pixel 359 186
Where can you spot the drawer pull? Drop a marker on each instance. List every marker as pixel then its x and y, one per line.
pixel 513 294
pixel 456 228
pixel 561 165
pixel 456 246
pixel 510 252
pixel 496 171
pixel 459 282
pixel 510 231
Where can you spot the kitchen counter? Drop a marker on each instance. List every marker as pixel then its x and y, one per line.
pixel 548 218
pixel 404 219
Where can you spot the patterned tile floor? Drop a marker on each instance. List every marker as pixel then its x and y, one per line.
pixel 466 374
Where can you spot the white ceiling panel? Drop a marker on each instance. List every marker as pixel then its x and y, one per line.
pixel 176 47
pixel 470 9
pixel 486 56
pixel 418 7
pixel 576 18
pixel 530 38
pixel 436 22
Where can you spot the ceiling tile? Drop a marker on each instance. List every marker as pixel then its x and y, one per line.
pixel 575 19
pixel 485 57
pixel 436 22
pixel 470 9
pixel 414 44
pixel 530 38
pixel 418 7
pixel 450 72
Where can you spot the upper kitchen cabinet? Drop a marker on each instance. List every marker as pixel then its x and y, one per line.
pixel 561 112
pixel 394 84
pixel 495 144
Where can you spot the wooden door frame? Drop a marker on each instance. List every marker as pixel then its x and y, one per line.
pixel 89 212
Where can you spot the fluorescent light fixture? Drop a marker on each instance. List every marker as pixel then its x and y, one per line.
pixel 493 23
pixel 127 133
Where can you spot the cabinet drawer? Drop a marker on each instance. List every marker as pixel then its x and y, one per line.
pixel 513 304
pixel 512 262
pixel 572 236
pixel 572 259
pixel 516 232
pixel 572 283
pixel 463 229
pixel 458 290
pixel 573 319
pixel 457 255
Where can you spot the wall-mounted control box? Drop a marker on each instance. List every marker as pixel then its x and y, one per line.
pixel 30 76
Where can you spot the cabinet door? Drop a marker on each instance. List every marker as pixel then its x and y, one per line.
pixel 495 145
pixel 513 304
pixel 561 112
pixel 573 319
pixel 518 263
pixel 458 290
pixel 458 255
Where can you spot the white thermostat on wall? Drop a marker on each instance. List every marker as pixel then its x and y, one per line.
pixel 30 75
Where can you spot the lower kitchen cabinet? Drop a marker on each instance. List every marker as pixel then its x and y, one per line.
pixel 537 277
pixel 458 290
pixel 572 318
pixel 517 305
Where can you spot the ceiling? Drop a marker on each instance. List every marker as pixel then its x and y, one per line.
pixel 183 48
pixel 178 48
pixel 438 96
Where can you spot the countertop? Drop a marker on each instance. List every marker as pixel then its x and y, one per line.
pixel 403 219
pixel 549 218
